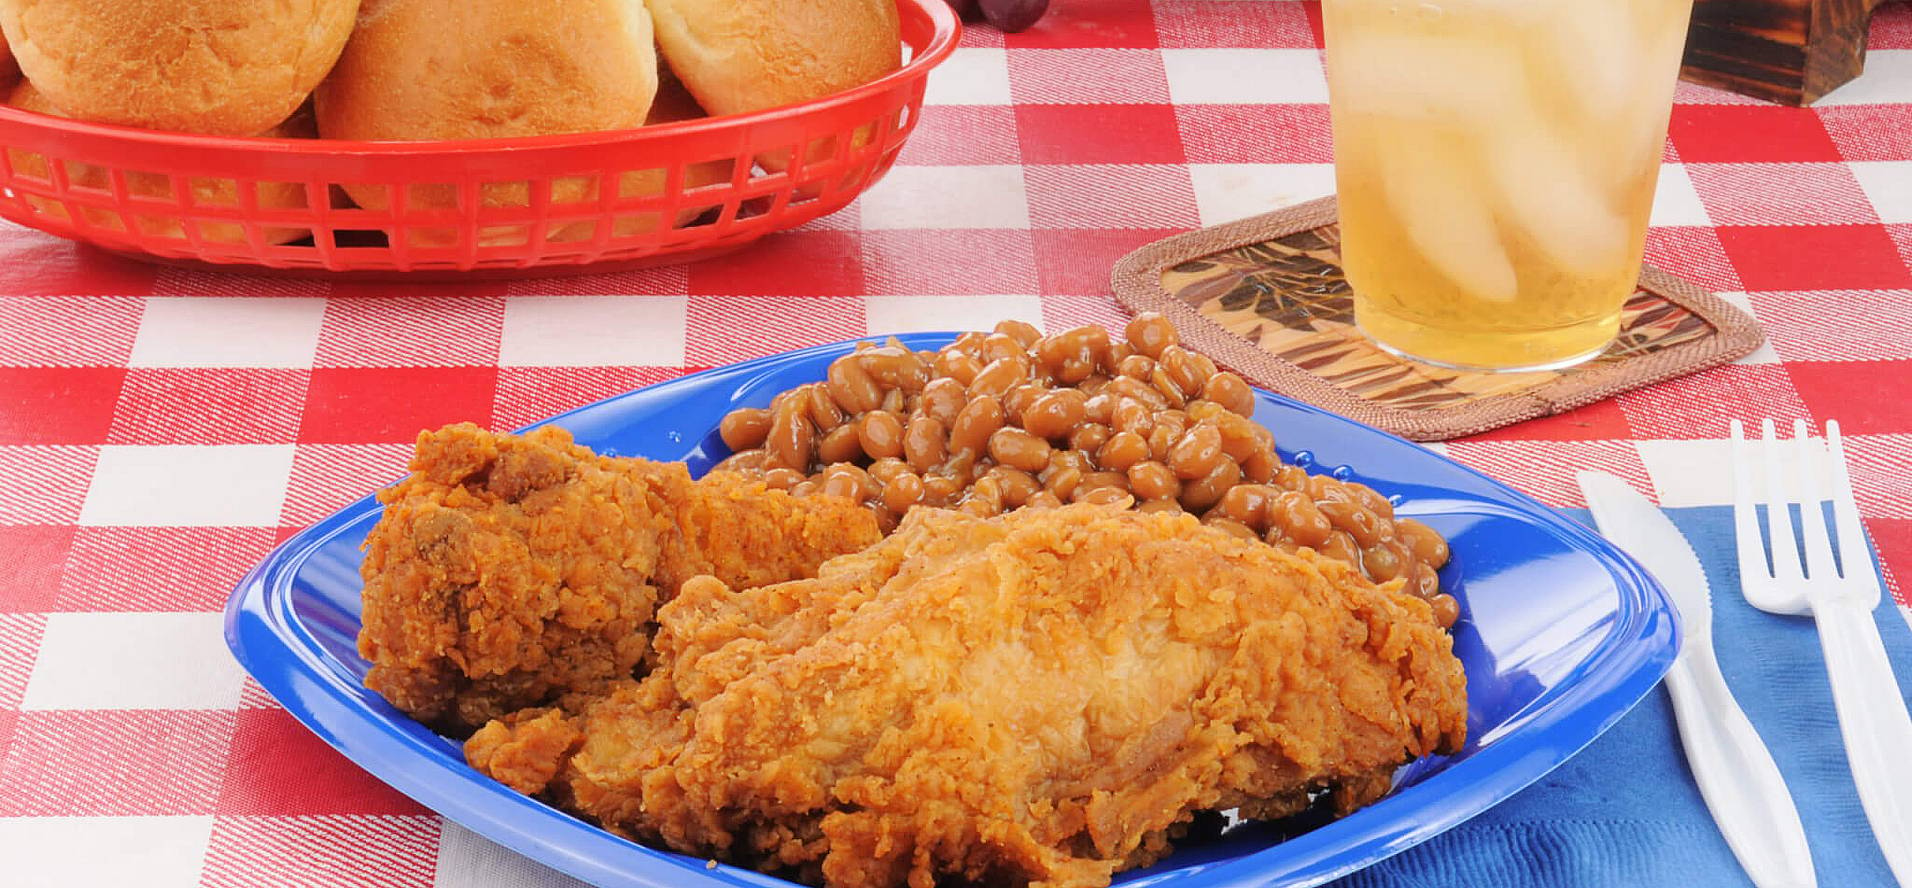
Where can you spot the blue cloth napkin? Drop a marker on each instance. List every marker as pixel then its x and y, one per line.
pixel 1625 811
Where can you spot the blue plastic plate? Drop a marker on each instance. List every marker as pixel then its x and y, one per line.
pixel 1561 634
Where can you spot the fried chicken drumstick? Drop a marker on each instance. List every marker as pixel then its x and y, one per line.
pixel 517 571
pixel 1039 698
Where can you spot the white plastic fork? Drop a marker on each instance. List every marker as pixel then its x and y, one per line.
pixel 1872 711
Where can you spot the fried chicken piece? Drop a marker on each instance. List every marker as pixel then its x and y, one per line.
pixel 1043 698
pixel 519 571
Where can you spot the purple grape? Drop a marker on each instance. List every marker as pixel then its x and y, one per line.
pixel 967 10
pixel 1013 15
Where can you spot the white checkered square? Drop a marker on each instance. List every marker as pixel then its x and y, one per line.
pixel 103 852
pixel 948 197
pixel 468 860
pixel 971 76
pixel 235 331
pixel 593 331
pixel 1887 80
pixel 1674 200
pixel 133 661
pixel 1244 76
pixel 186 485
pixel 913 314
pixel 1225 192
pixel 1888 185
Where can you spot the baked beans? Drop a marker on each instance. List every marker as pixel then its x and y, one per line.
pixel 1015 419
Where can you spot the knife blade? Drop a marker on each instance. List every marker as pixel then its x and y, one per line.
pixel 1736 774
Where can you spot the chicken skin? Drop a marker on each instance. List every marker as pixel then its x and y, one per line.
pixel 1043 698
pixel 520 571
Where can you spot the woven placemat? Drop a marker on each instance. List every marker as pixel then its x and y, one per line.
pixel 1265 296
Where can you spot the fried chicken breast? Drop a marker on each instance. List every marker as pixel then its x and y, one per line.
pixel 1041 698
pixel 519 571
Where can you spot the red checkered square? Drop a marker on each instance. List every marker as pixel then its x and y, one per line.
pixel 44 484
pixel 57 405
pixel 186 282
pixel 1815 257
pixel 908 262
pixel 1078 262
pixel 663 280
pixel 411 331
pixel 1079 76
pixel 1892 539
pixel 1879 465
pixel 1694 254
pixel 35 264
pixel 1255 133
pixel 322 852
pixel 1687 92
pixel 1780 193
pixel 1545 469
pixel 19 643
pixel 209 405
pixel 327 477
pixel 159 568
pixel 1599 421
pixel 1091 23
pixel 1699 405
pixel 1064 312
pixel 253 696
pixel 1885 408
pixel 1112 196
pixel 68 331
pixel 1836 325
pixel 100 762
pixel 960 134
pixel 1199 24
pixel 279 767
pixel 1901 235
pixel 1869 132
pixel 1891 27
pixel 728 329
pixel 794 263
pixel 30 572
pixel 1098 134
pixel 367 406
pixel 1750 134
pixel 404 291
pixel 529 394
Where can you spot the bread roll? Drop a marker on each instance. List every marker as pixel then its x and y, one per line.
pixel 226 67
pixel 8 68
pixel 673 104
pixel 471 69
pixel 205 192
pixel 746 55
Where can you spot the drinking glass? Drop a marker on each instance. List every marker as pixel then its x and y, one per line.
pixel 1496 161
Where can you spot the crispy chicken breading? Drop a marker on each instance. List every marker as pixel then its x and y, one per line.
pixel 1043 698
pixel 518 571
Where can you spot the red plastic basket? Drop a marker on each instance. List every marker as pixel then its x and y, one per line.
pixel 509 207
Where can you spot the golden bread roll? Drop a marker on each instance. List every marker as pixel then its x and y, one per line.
pixel 473 69
pixel 205 191
pixel 9 69
pixel 225 67
pixel 746 55
pixel 673 104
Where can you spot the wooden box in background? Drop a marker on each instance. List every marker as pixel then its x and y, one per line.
pixel 1790 51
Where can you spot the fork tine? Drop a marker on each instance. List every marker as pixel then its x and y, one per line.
pixel 1812 516
pixel 1854 556
pixel 1778 518
pixel 1752 549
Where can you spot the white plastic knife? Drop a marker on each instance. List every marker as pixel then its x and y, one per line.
pixel 1734 770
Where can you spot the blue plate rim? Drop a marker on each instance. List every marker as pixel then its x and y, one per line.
pixel 258 626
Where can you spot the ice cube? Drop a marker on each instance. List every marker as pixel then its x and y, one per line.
pixel 1596 56
pixel 1421 76
pixel 1444 213
pixel 1549 190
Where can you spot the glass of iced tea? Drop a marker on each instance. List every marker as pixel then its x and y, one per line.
pixel 1496 161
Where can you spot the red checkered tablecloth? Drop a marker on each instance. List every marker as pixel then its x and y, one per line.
pixel 161 429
